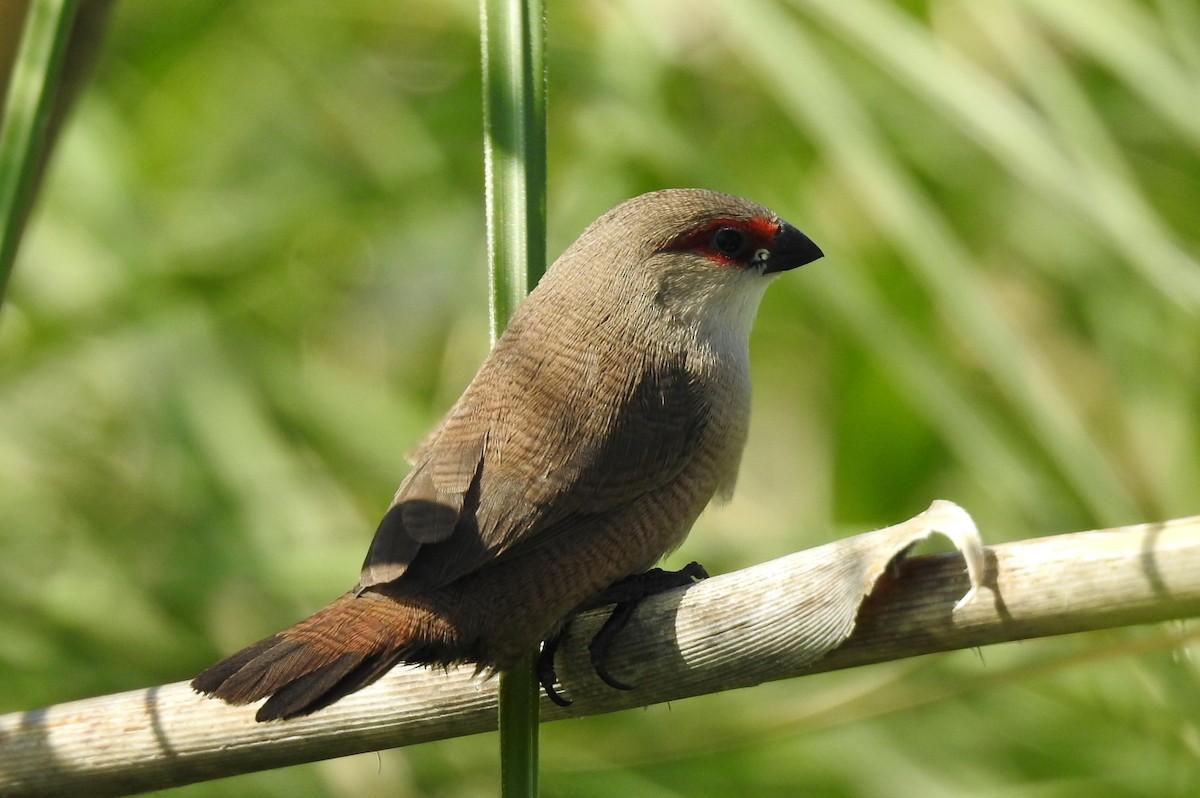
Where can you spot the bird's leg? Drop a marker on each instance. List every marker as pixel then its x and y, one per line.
pixel 626 594
pixel 598 648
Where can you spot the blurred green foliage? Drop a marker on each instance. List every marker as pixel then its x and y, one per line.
pixel 256 277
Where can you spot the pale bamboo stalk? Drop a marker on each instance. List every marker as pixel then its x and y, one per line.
pixel 730 631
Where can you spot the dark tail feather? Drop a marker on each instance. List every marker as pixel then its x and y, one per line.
pixel 339 650
pixel 309 692
pixel 334 681
pixel 213 679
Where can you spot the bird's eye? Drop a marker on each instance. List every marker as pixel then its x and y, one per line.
pixel 728 240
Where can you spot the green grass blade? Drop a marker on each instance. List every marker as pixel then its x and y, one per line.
pixel 514 119
pixel 519 730
pixel 514 114
pixel 26 118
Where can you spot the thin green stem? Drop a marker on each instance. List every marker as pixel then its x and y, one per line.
pixel 514 120
pixel 26 118
pixel 519 730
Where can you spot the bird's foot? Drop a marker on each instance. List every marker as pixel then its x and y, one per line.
pixel 626 594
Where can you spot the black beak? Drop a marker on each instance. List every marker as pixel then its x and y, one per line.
pixel 790 250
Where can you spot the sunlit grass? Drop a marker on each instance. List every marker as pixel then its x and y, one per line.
pixel 257 277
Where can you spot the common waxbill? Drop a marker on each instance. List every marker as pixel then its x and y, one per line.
pixel 609 413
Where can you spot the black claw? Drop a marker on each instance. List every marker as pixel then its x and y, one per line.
pixel 598 648
pixel 546 673
pixel 627 594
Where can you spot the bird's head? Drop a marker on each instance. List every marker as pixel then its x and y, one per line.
pixel 697 256
pixel 707 256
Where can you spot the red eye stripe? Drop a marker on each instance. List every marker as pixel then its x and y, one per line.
pixel 760 232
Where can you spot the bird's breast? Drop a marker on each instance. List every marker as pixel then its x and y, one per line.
pixel 720 361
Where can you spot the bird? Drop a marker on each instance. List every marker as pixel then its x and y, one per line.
pixel 608 414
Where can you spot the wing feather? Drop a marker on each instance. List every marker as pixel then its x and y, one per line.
pixel 556 438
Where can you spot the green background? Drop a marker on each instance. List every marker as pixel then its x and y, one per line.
pixel 256 277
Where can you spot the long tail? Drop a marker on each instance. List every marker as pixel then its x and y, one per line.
pixel 341 649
